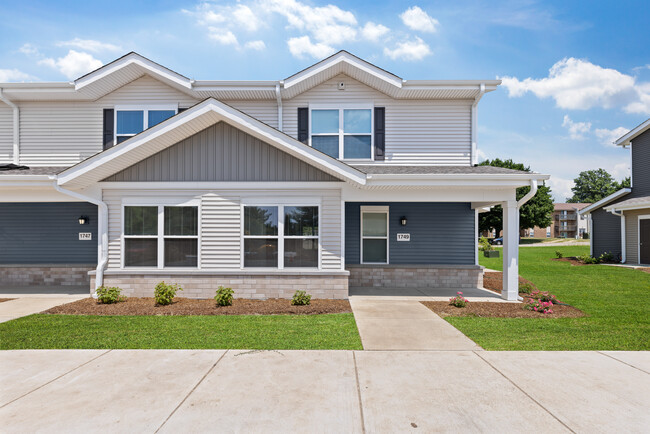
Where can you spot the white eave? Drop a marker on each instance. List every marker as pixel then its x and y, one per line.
pixel 476 180
pixel 612 197
pixel 627 138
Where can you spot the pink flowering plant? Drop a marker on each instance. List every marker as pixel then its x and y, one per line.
pixel 544 296
pixel 459 300
pixel 540 306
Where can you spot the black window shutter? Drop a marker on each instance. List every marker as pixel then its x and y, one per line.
pixel 303 125
pixel 380 133
pixel 109 126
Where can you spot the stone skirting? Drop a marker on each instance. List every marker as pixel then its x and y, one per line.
pixel 415 276
pixel 256 286
pixel 37 275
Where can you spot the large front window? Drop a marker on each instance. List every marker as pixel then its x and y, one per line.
pixel 161 236
pixel 131 120
pixel 342 133
pixel 281 236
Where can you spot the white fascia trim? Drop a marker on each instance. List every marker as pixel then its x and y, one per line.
pixel 228 185
pixel 604 201
pixel 350 60
pixel 242 121
pixel 639 205
pixel 136 59
pixel 626 139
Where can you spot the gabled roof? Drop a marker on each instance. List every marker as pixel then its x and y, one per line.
pixel 187 123
pixel 630 204
pixel 632 134
pixel 570 206
pixel 612 197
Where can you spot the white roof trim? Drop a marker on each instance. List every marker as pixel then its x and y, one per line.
pixel 209 111
pixel 626 139
pixel 343 56
pixel 151 67
pixel 605 201
pixel 632 206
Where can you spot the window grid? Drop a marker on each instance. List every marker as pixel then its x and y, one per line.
pixel 119 138
pixel 341 134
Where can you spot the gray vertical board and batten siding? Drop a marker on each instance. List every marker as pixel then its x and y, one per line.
pixel 441 233
pixel 47 233
pixel 221 153
pixel 607 233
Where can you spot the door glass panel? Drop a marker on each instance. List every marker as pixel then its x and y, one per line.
pixel 374 250
pixel 374 224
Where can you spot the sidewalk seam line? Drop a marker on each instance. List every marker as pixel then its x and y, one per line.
pixel 525 393
pixel 54 379
pixel 191 391
pixel 621 361
pixel 356 374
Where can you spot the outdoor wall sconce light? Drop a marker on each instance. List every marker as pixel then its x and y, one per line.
pixel 402 221
pixel 84 220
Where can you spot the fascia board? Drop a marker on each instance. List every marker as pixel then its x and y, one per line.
pixel 625 140
pixel 639 205
pixel 605 201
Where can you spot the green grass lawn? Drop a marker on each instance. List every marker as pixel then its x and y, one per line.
pixel 289 332
pixel 615 300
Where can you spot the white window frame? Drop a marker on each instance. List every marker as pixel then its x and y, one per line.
pixel 375 209
pixel 638 235
pixel 341 134
pixel 136 108
pixel 161 232
pixel 280 236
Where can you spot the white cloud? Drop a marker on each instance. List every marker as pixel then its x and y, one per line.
pixel 222 36
pixel 607 137
pixel 373 32
pixel 74 64
pixel 560 188
pixel 621 171
pixel 29 49
pixel 245 17
pixel 302 46
pixel 417 19
pixel 416 49
pixel 580 85
pixel 9 75
pixel 89 45
pixel 255 45
pixel 482 156
pixel 577 130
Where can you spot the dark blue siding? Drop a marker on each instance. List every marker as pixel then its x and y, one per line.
pixel 441 233
pixel 606 228
pixel 47 233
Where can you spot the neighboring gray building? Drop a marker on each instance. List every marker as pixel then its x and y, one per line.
pixel 620 223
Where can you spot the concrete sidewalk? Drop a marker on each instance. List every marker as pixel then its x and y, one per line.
pixel 323 391
pixel 24 306
pixel 396 324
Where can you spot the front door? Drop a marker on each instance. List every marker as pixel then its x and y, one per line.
pixel 644 241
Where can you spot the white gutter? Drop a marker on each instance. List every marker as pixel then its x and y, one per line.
pixel 16 137
pixel 278 96
pixel 102 229
pixel 623 244
pixel 474 156
pixel 529 195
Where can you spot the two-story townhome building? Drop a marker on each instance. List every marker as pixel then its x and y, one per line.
pixel 620 223
pixel 342 175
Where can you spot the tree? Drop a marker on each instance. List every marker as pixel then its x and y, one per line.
pixel 594 185
pixel 625 183
pixel 536 212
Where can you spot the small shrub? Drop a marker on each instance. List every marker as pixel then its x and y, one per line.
pixel 301 298
pixel 544 296
pixel 587 259
pixel 459 300
pixel 606 257
pixel 109 295
pixel 224 296
pixel 538 305
pixel 559 254
pixel 484 245
pixel 164 293
pixel 526 288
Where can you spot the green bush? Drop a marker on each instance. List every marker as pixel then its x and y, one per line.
pixel 526 288
pixel 109 295
pixel 484 245
pixel 606 257
pixel 164 293
pixel 587 259
pixel 558 254
pixel 224 296
pixel 301 298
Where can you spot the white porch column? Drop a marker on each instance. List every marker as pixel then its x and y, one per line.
pixel 510 289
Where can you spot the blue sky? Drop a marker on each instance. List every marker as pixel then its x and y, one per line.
pixel 576 74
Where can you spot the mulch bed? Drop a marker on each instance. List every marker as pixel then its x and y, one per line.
pixel 572 259
pixel 493 280
pixel 5 299
pixel 188 306
pixel 499 310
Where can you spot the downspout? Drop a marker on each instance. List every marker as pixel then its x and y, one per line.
pixel 16 131
pixel 474 156
pixel 102 229
pixel 278 96
pixel 526 198
pixel 623 243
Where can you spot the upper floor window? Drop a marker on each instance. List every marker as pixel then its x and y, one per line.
pixel 131 120
pixel 344 133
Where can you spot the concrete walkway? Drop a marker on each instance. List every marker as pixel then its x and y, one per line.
pixel 323 391
pixel 35 299
pixel 404 325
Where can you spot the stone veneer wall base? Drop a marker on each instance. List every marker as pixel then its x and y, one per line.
pixel 39 275
pixel 245 286
pixel 415 276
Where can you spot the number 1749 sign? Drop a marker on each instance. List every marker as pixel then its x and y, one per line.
pixel 403 237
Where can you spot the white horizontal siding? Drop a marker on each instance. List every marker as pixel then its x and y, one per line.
pixel 113 200
pixel 330 230
pixel 220 232
pixel 265 111
pixel 6 133
pixel 417 132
